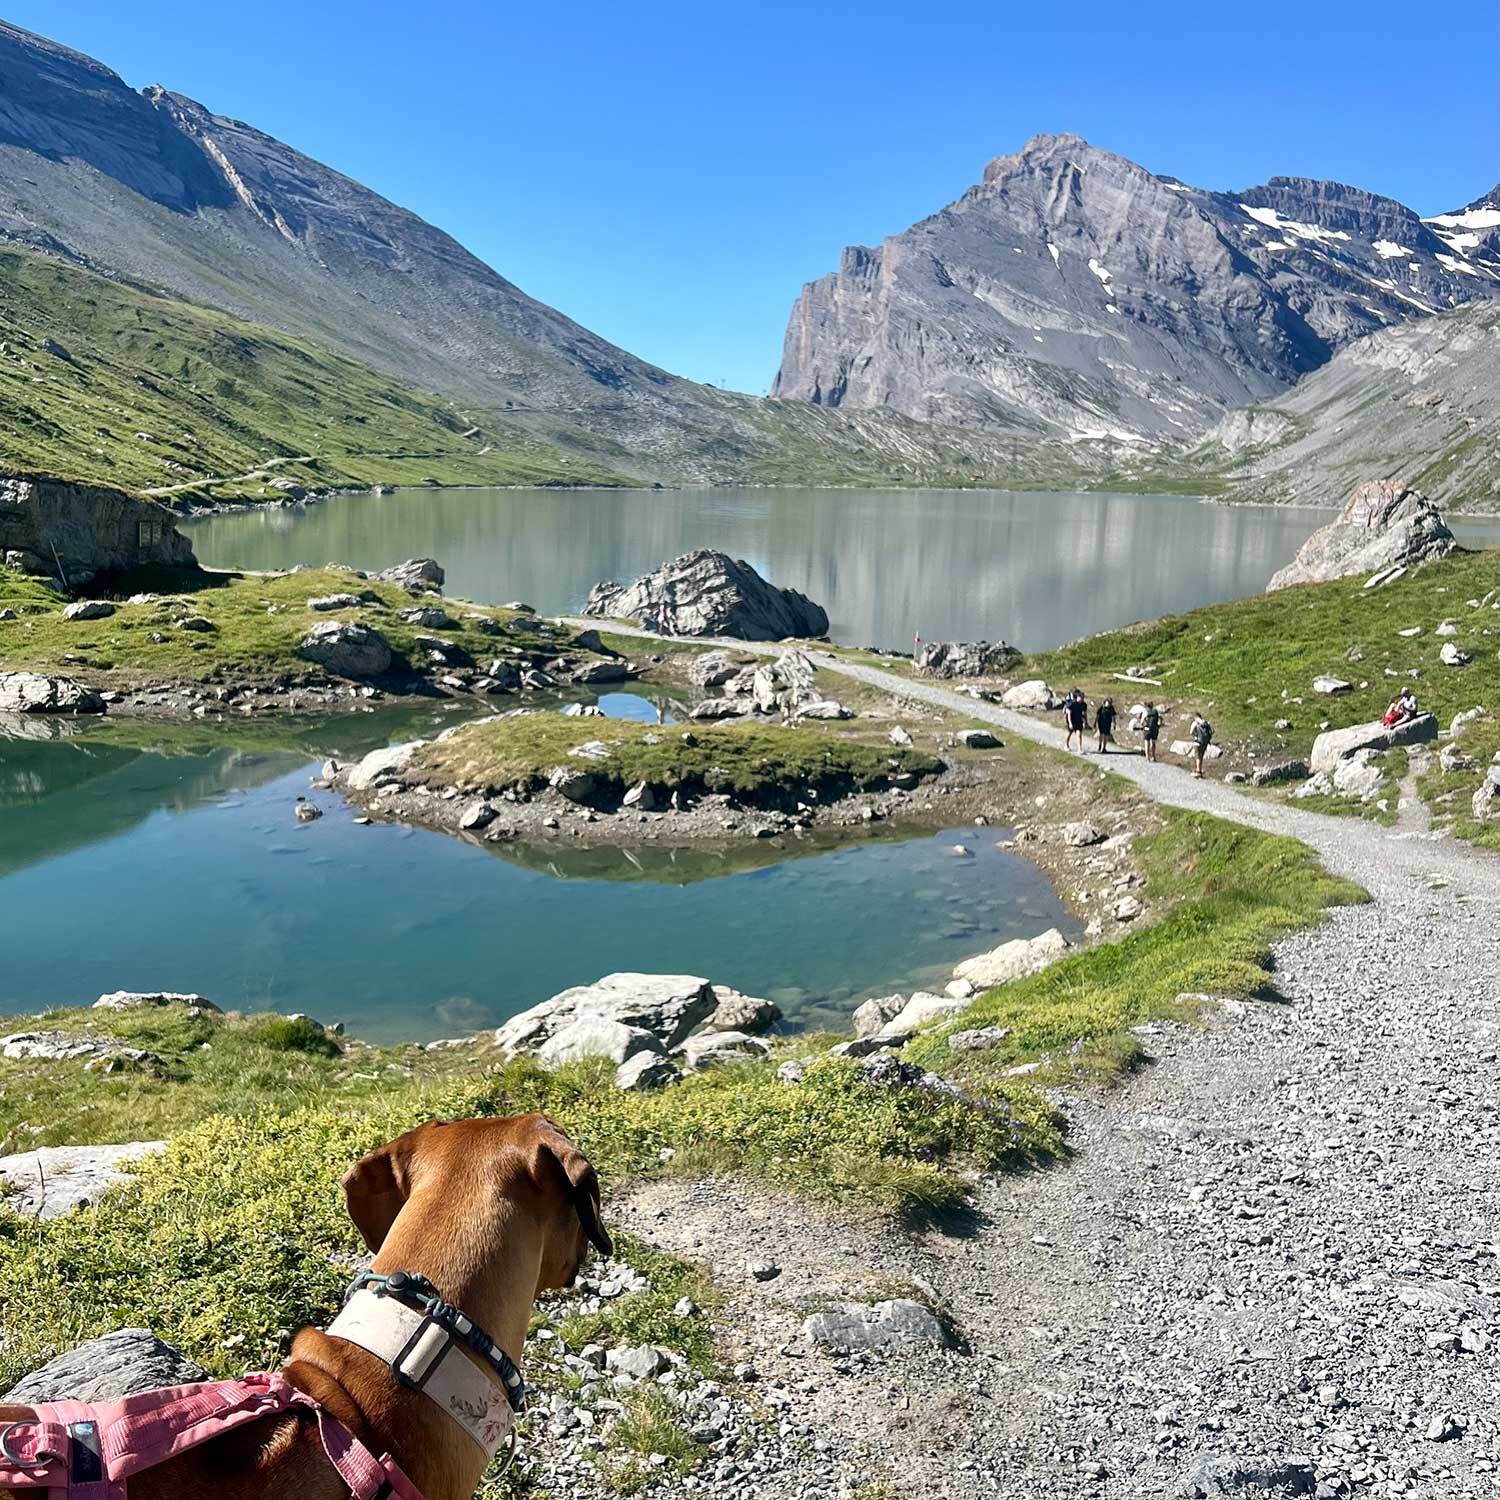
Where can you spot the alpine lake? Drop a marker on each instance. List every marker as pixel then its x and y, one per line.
pixel 145 855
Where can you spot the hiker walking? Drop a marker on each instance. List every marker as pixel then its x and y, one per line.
pixel 1150 729
pixel 1076 717
pixel 1104 724
pixel 1202 733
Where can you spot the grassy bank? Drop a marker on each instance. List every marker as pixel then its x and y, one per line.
pixel 749 761
pixel 115 384
pixel 1252 662
pixel 1228 893
pixel 254 626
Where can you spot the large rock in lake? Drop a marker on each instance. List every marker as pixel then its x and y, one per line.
pixel 1336 745
pixel 120 1364
pixel 38 693
pixel 1383 525
pixel 709 593
pixel 346 649
pixel 668 1006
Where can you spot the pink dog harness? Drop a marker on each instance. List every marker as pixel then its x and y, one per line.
pixel 74 1450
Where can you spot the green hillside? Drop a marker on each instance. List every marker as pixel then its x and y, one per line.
pixel 107 382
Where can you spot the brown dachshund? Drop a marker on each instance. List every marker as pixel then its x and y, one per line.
pixel 492 1213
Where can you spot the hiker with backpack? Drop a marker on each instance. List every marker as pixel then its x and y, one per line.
pixel 1202 733
pixel 1104 724
pixel 1075 717
pixel 1150 729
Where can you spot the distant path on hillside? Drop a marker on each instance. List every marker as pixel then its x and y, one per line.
pixel 1349 846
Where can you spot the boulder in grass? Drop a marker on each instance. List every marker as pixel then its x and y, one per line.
pixel 346 649
pixel 418 575
pixel 142 999
pixel 668 1006
pixel 1335 745
pixel 120 1364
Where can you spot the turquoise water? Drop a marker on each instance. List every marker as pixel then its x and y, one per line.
pixel 151 858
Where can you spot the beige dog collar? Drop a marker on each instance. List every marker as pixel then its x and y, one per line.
pixel 424 1356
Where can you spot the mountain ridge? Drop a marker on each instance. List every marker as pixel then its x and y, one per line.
pixel 1163 304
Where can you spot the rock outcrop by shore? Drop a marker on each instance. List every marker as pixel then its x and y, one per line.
pixel 705 593
pixel 1384 525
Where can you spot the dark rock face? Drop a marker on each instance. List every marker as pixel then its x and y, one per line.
pixel 90 528
pixel 1383 525
pixel 108 1369
pixel 707 593
pixel 1074 292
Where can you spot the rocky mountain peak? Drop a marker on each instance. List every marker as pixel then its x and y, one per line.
pixel 1074 293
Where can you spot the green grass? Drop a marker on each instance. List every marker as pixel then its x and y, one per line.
pixel 747 760
pixel 219 398
pixel 1229 893
pixel 1245 662
pixel 236 1235
pixel 257 625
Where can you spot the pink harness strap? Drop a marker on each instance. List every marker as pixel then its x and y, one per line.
pixel 75 1451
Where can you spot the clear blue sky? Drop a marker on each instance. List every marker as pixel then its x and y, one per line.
pixel 669 174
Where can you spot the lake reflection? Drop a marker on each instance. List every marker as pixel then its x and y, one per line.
pixel 1034 569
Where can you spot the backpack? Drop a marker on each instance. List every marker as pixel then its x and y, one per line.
pixel 1153 720
pixel 1204 733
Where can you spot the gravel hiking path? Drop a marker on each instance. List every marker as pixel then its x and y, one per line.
pixel 1270 1267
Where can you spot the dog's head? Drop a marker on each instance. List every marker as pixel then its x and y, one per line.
pixel 489 1170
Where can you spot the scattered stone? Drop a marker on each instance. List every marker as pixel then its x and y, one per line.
pixel 981 1039
pixel 1285 770
pixel 977 739
pixel 1360 775
pixel 476 816
pixel 1034 694
pixel 712 669
pixel 1126 909
pixel 897 1323
pixel 873 1015
pixel 1081 835
pixel 55 1180
pixel 1452 758
pixel 120 1364
pixel 824 708
pixel 38 693
pixel 1331 685
pixel 965 659
pixel 643 1362
pixel 899 737
pixel 668 1006
pixel 137 999
pixel 418 575
pixel 1454 656
pixel 346 649
pixel 644 1071
pixel 1012 960
pixel 327 603
pixel 743 1013
pixel 594 1036
pixel 307 812
pixel 435 617
pixel 89 609
pixel 1276 1478
pixel 763 1270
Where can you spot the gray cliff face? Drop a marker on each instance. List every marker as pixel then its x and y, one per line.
pixel 58 529
pixel 1382 525
pixel 1419 403
pixel 1074 293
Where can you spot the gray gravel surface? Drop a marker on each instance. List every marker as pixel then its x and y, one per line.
pixel 1270 1267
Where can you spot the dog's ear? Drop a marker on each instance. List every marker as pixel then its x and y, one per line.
pixel 557 1154
pixel 376 1187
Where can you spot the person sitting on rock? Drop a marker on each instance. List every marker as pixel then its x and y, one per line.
pixel 1404 708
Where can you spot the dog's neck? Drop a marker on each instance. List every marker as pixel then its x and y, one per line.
pixel 488 1269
